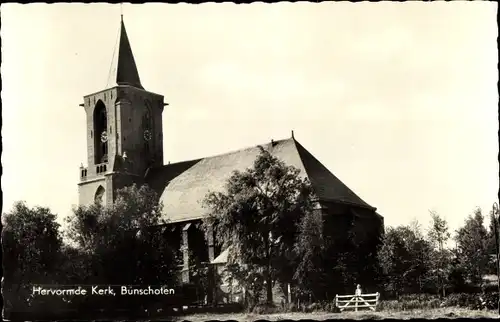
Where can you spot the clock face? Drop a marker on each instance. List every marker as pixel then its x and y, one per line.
pixel 147 135
pixel 104 137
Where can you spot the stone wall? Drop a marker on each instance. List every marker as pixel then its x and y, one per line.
pixel 87 191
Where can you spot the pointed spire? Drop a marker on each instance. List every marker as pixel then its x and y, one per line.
pixel 126 71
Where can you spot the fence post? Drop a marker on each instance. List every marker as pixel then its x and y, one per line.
pixel 356 303
pixel 376 300
pixel 336 300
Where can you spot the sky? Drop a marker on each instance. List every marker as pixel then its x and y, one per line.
pixel 398 100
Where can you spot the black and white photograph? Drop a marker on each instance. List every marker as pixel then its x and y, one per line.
pixel 259 161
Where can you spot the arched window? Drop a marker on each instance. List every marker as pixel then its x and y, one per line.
pixel 146 120
pixel 99 195
pixel 101 136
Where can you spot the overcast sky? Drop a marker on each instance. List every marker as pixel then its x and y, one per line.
pixel 399 100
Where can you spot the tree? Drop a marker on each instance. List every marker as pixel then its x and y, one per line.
pixel 456 275
pixel 404 258
pixel 394 260
pixel 124 243
pixel 472 246
pixel 75 267
pixel 310 248
pixel 420 250
pixel 31 246
pixel 438 235
pixel 438 232
pixel 247 276
pixel 258 213
pixel 416 229
pixel 201 277
pixel 491 247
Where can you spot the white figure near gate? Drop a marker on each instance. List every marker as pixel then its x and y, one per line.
pixel 358 291
pixel 357 301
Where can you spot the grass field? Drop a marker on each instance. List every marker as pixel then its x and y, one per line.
pixel 426 314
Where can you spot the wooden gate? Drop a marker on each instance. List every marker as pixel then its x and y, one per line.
pixel 344 302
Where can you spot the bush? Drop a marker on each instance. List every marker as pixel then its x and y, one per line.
pixel 473 301
pixel 330 307
pixel 476 301
pixel 489 300
pixel 490 288
pixel 314 307
pixel 265 309
pixel 423 297
pixel 413 304
pixel 461 300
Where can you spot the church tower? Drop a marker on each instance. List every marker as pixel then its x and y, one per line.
pixel 124 132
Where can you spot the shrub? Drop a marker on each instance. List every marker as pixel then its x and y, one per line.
pixel 314 307
pixel 302 308
pixel 265 309
pixel 423 297
pixel 390 305
pixel 490 288
pixel 330 307
pixel 476 301
pixel 319 307
pixel 489 300
pixel 422 301
pixel 333 308
pixel 405 305
pixel 459 300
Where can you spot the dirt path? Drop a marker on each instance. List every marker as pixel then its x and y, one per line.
pixel 429 314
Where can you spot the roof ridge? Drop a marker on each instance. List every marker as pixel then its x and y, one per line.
pixel 233 151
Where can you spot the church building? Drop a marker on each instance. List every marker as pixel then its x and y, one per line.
pixel 125 146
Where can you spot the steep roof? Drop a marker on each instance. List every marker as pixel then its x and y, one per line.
pixel 184 185
pixel 126 69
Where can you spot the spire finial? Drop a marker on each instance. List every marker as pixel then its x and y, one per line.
pixel 121 11
pixel 292 135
